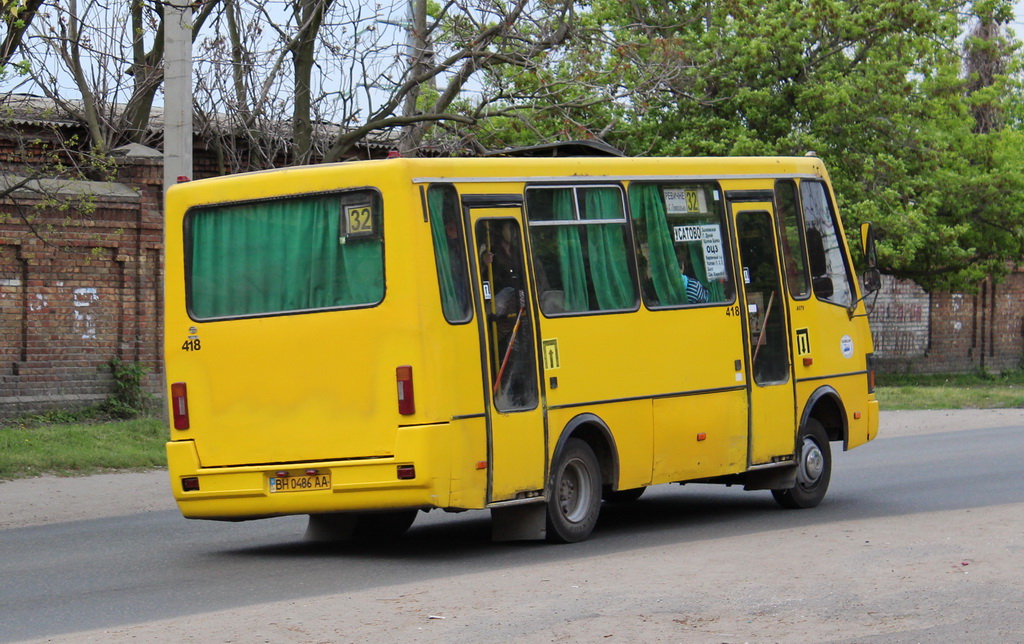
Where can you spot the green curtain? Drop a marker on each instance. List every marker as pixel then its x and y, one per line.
pixel 278 256
pixel 570 254
pixel 609 261
pixel 648 207
pixel 449 298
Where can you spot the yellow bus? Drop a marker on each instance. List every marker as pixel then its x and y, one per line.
pixel 534 336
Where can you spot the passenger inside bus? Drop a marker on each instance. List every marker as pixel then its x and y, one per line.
pixel 695 291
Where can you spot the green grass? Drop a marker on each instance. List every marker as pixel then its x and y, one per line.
pixel 29 448
pixel 958 391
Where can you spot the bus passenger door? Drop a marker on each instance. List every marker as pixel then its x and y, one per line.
pixel 515 421
pixel 772 403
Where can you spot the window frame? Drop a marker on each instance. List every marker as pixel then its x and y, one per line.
pixel 345 196
pixel 465 241
pixel 840 235
pixel 578 220
pixel 798 218
pixel 725 231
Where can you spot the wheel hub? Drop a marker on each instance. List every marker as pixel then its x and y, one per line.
pixel 572 493
pixel 812 463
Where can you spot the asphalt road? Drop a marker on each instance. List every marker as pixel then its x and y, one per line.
pixel 885 558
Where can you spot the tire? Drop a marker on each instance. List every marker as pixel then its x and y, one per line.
pixel 389 524
pixel 574 499
pixel 623 496
pixel 813 469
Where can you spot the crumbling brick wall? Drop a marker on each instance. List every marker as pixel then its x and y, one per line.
pixel 79 291
pixel 918 332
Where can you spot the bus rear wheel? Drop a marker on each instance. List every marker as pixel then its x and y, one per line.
pixel 574 499
pixel 813 469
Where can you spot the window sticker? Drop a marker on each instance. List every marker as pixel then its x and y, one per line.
pixel 683 201
pixel 803 342
pixel 846 346
pixel 714 251
pixel 550 350
pixel 681 234
pixel 357 221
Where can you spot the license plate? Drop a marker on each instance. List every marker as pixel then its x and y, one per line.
pixel 302 483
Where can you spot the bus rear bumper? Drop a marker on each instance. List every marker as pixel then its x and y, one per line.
pixel 239 493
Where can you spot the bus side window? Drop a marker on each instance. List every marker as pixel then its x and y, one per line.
pixel 680 244
pixel 794 260
pixel 581 259
pixel 450 253
pixel 830 276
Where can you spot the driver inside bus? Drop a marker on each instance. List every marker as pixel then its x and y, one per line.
pixel 502 263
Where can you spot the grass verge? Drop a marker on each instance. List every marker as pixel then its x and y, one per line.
pixel 958 391
pixel 73 449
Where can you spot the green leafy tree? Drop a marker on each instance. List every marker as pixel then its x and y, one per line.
pixel 875 87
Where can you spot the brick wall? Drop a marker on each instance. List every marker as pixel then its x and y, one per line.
pixel 73 297
pixel 918 332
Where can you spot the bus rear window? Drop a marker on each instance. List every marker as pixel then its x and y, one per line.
pixel 285 255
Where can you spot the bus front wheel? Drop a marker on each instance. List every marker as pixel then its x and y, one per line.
pixel 574 500
pixel 813 469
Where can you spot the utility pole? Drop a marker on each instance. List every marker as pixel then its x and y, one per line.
pixel 177 92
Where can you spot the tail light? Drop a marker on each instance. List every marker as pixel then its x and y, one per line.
pixel 871 373
pixel 406 400
pixel 179 405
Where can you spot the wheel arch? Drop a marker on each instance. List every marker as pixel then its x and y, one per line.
pixel 826 406
pixel 596 433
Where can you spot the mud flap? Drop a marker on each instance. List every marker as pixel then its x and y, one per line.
pixel 519 522
pixel 775 478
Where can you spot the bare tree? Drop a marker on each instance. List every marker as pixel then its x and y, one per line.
pixel 100 62
pixel 392 70
pixel 306 80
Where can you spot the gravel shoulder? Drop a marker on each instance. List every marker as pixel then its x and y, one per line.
pixel 52 499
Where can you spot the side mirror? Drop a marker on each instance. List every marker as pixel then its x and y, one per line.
pixel 867 245
pixel 872 280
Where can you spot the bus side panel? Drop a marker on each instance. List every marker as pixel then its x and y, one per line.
pixel 834 352
pixel 469 463
pixel 644 353
pixel 631 427
pixel 700 436
pixel 685 359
